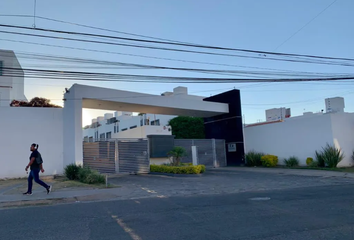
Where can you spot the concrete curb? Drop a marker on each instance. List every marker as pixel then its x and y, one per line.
pixel 176 175
pixel 286 171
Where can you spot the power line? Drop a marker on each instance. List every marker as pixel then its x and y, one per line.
pixel 161 42
pixel 300 29
pixel 141 66
pixel 104 77
pixel 174 49
pixel 92 27
pixel 142 56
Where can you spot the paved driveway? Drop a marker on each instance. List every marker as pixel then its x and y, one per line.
pixel 220 182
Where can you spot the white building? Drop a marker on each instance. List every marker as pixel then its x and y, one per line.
pixel 125 125
pixel 301 136
pixel 276 114
pixel 11 78
pixel 334 104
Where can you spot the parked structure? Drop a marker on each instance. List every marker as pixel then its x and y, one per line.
pixel 301 136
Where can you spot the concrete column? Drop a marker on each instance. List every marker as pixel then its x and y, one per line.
pixel 72 127
pixel 194 155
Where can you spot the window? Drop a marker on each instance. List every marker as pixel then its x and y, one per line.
pixel 124 129
pixel 109 135
pixel 156 122
pixel 133 127
pixel 115 129
pixel 1 65
pixel 86 139
pixel 102 136
pixel 90 139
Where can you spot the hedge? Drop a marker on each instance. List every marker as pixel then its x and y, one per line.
pixel 269 160
pixel 178 170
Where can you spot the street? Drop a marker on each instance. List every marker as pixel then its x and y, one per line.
pixel 307 212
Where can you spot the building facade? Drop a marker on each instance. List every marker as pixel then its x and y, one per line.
pixel 11 79
pixel 122 124
pixel 126 125
pixel 301 136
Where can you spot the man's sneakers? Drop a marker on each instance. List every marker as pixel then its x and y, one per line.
pixel 49 189
pixel 27 193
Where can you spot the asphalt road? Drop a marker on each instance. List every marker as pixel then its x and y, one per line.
pixel 322 212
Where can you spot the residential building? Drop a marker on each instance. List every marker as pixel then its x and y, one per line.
pixel 11 78
pixel 127 125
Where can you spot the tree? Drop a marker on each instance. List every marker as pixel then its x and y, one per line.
pixel 187 127
pixel 35 102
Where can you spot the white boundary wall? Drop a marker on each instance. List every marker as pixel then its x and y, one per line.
pixel 22 126
pixel 302 136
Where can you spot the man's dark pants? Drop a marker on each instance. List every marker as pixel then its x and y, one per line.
pixel 34 174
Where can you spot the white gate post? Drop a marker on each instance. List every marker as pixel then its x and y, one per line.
pixel 213 145
pixel 116 156
pixel 194 155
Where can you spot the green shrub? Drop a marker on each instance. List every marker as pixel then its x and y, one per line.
pixel 269 160
pixel 319 159
pixel 186 164
pixel 292 162
pixel 313 164
pixel 87 175
pixel 178 169
pixel 72 171
pixel 94 178
pixel 254 158
pixel 309 161
pixel 330 156
pixel 177 153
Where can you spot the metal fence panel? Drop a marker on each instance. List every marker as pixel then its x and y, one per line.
pixel 210 153
pixel 117 156
pixel 220 147
pixel 186 144
pixel 99 156
pixel 133 156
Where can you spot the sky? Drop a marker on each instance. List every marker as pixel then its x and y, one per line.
pixel 316 27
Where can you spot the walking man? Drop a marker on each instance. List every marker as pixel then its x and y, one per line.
pixel 35 168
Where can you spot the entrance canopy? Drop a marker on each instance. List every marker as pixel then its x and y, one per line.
pixel 82 96
pixel 118 100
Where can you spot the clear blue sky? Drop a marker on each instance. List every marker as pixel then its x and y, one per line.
pixel 260 25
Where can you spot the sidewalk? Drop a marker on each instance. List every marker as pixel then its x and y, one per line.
pixel 11 193
pixel 287 171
